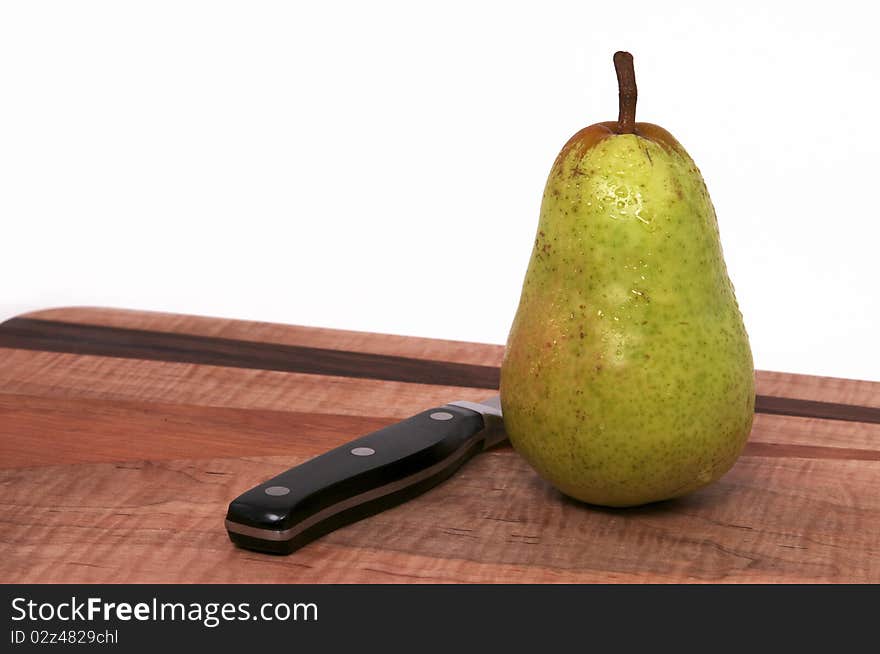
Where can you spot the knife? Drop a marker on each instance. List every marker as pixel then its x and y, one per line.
pixel 363 477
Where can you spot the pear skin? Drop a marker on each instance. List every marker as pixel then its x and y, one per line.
pixel 628 376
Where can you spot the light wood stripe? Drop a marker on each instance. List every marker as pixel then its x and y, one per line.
pixel 39 431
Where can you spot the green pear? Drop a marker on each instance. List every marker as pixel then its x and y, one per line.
pixel 628 376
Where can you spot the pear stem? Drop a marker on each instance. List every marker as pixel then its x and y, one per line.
pixel 627 92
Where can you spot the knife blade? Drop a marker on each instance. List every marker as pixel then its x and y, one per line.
pixel 361 478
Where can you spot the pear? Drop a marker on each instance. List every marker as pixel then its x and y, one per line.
pixel 628 376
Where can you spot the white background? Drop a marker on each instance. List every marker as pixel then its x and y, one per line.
pixel 379 166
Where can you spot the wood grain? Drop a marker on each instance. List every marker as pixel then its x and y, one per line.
pixel 495 522
pixel 117 469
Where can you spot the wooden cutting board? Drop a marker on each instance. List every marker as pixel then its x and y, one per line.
pixel 124 435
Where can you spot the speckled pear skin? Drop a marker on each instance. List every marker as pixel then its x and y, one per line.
pixel 628 376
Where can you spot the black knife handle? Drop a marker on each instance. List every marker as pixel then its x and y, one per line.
pixel 363 477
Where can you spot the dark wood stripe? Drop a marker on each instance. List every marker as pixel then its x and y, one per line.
pixel 785 406
pixel 784 450
pixel 98 340
pixel 52 336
